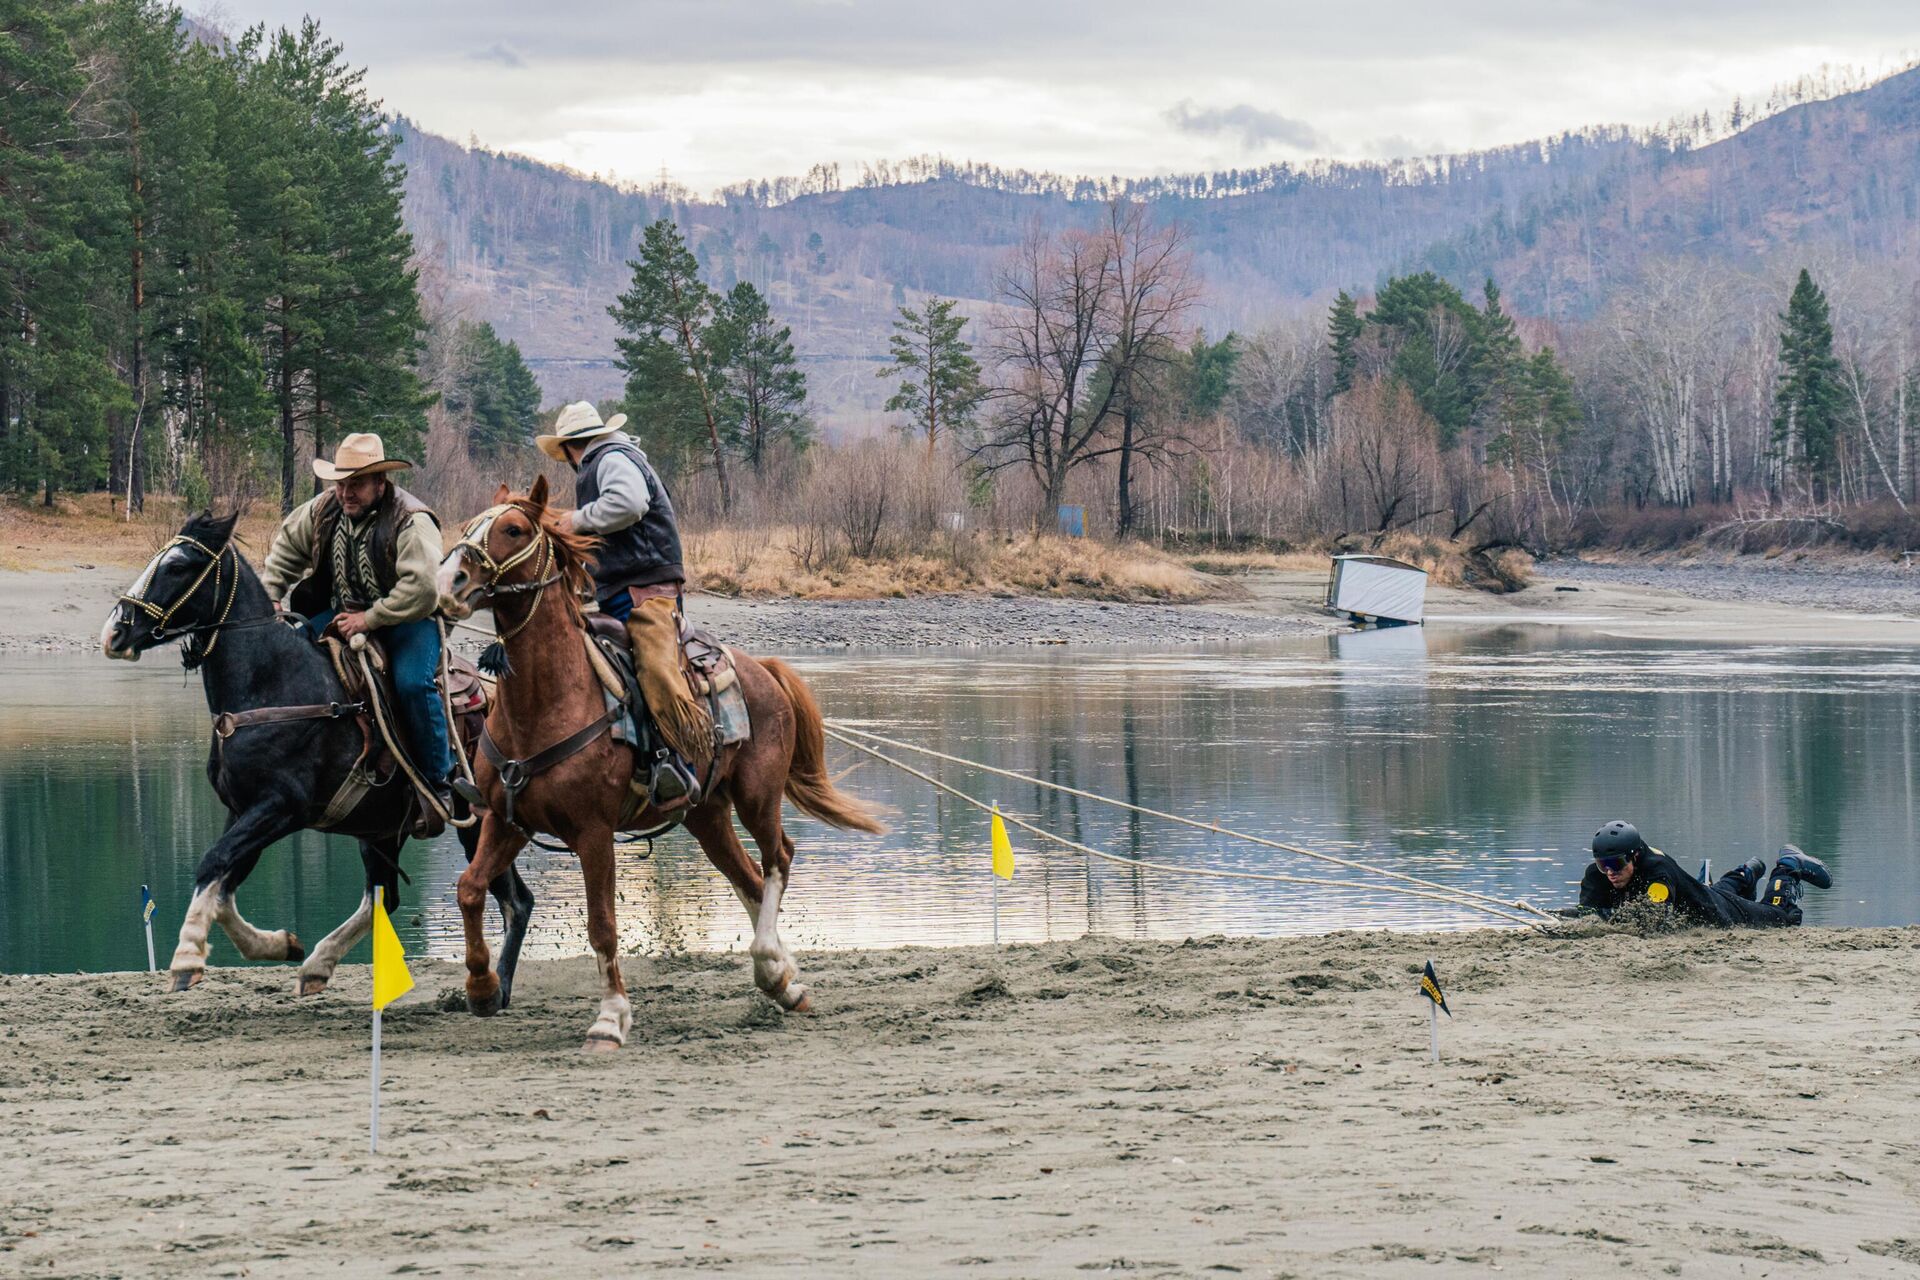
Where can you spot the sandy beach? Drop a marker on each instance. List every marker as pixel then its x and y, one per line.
pixel 1698 1104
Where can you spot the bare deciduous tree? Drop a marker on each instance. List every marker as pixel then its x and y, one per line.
pixel 1091 319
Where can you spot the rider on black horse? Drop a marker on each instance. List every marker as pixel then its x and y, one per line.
pixel 637 571
pixel 362 557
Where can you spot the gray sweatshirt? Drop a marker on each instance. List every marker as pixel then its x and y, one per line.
pixel 622 500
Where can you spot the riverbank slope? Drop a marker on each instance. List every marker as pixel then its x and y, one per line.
pixel 1695 1104
pixel 1748 599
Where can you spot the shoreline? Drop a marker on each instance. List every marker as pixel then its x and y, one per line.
pixel 1161 1109
pixel 1739 599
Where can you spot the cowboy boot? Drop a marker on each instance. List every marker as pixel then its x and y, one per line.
pixel 683 722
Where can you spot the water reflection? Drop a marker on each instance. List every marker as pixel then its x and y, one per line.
pixel 1477 758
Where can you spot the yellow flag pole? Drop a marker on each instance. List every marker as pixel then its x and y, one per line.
pixel 373 1128
pixel 995 877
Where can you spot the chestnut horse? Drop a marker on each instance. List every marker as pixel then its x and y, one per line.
pixel 506 560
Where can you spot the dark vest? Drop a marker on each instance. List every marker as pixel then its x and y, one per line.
pixel 644 553
pixel 314 594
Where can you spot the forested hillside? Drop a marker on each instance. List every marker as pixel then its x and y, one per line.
pixel 219 256
pixel 542 251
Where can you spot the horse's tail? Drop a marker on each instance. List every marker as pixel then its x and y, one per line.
pixel 807 783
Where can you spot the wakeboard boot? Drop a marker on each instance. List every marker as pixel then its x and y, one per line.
pixel 1753 874
pixel 1803 867
pixel 682 721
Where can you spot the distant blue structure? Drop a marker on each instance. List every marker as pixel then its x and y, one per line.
pixel 1073 521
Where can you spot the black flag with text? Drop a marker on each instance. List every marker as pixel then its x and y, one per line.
pixel 1430 988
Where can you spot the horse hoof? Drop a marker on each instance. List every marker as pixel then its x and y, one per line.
pixel 295 952
pixel 485 1008
pixel 600 1044
pixel 795 999
pixel 311 985
pixel 188 980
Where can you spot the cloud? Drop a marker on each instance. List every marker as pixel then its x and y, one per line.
pixel 1257 128
pixel 498 52
pixel 1398 146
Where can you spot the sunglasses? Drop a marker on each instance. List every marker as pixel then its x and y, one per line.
pixel 1612 861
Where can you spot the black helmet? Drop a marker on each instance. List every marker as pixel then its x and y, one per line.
pixel 1621 839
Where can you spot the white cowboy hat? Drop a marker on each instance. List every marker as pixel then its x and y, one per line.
pixel 577 422
pixel 360 454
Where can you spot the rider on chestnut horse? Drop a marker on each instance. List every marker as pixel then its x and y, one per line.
pixel 637 570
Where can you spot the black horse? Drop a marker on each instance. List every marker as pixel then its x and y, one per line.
pixel 285 739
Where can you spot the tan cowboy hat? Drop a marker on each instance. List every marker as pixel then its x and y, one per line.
pixel 360 454
pixel 578 422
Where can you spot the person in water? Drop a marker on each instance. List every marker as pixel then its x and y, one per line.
pixel 1626 869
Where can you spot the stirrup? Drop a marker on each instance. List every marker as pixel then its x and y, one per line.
pixel 671 784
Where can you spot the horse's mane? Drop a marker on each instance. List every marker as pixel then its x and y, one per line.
pixel 573 552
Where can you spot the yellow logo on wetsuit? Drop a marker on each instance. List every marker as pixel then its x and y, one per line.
pixel 1657 892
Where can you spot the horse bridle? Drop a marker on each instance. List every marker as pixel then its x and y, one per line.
pixel 473 538
pixel 162 615
pixel 515 774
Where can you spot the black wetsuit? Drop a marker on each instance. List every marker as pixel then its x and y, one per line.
pixel 1659 879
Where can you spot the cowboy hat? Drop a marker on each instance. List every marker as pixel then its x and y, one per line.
pixel 360 454
pixel 578 422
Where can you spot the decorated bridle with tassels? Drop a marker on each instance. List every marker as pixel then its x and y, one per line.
pixel 162 615
pixel 473 539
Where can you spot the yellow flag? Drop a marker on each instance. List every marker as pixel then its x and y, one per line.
pixel 390 977
pixel 1002 848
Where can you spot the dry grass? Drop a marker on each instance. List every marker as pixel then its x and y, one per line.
pixel 1448 564
pixel 86 530
pixel 1231 562
pixel 770 562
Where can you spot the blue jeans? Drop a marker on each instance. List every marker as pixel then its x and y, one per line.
pixel 618 605
pixel 413 655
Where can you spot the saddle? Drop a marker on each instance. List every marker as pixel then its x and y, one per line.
pixel 661 779
pixel 384 752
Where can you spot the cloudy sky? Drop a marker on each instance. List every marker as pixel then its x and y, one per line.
pixel 716 91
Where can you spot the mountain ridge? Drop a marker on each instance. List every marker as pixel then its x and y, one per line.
pixel 541 251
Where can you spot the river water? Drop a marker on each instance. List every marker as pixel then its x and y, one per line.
pixel 1478 756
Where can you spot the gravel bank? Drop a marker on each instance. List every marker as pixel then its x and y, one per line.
pixel 940 621
pixel 1847 587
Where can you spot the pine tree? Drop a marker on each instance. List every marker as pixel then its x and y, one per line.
pixel 1810 399
pixel 1433 338
pixel 330 248
pixel 1208 373
pixel 763 392
pixel 490 388
pixel 207 306
pixel 667 318
pixel 1496 377
pixel 939 380
pixel 56 378
pixel 143 45
pixel 1344 327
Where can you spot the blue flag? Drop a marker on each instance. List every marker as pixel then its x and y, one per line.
pixel 146 906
